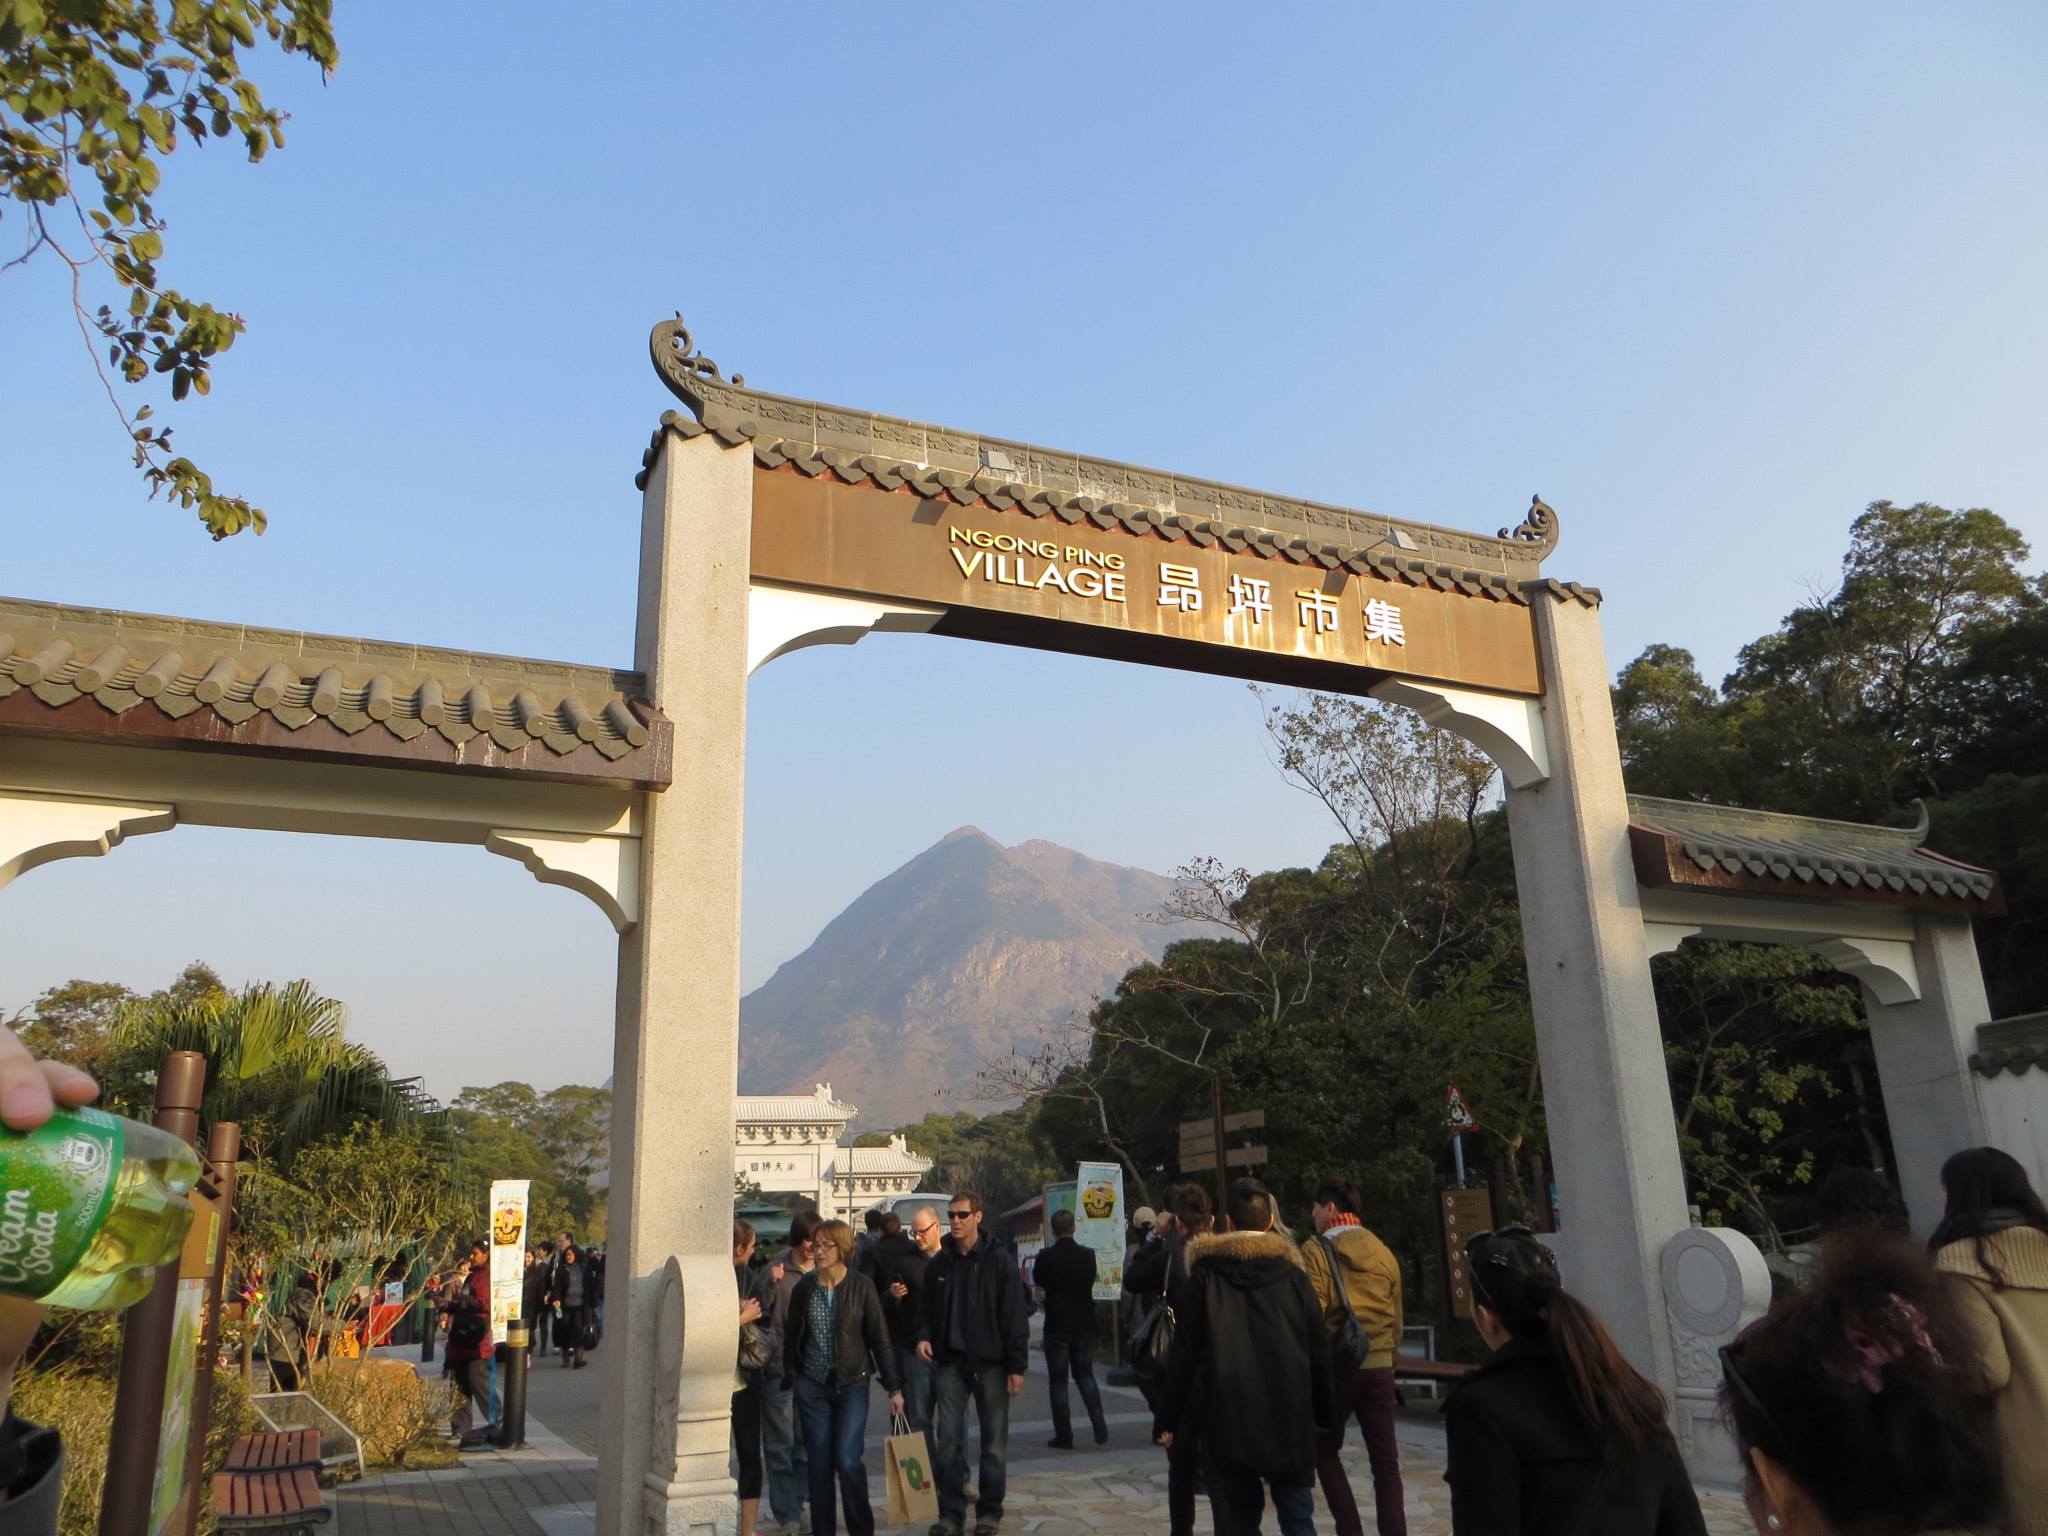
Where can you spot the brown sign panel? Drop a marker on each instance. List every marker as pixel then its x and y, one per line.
pixel 1076 587
pixel 1467 1213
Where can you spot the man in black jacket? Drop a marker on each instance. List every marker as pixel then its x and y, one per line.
pixel 1252 1333
pixel 897 1262
pixel 1066 1273
pixel 975 1334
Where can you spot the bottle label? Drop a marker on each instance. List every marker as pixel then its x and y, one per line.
pixel 60 1179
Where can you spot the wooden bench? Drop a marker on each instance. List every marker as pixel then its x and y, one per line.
pixel 283 1452
pixel 1408 1368
pixel 271 1484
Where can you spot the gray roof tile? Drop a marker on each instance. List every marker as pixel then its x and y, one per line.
pixel 122 660
pixel 814 439
pixel 1836 856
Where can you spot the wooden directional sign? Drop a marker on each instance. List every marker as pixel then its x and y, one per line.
pixel 1198 1137
pixel 1466 1213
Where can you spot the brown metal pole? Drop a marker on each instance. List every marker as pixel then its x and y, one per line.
pixel 223 1151
pixel 1222 1156
pixel 146 1336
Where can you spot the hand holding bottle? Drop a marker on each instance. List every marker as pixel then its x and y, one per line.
pixel 30 1092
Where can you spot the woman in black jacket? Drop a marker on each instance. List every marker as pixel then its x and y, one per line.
pixel 1556 1435
pixel 569 1291
pixel 834 1340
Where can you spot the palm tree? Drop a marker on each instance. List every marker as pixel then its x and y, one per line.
pixel 278 1061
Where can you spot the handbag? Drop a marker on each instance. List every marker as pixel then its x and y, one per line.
pixel 1152 1341
pixel 1348 1345
pixel 466 1330
pixel 758 1346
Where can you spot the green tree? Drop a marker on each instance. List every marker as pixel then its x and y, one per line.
pixel 93 95
pixel 74 1022
pixel 1839 710
pixel 278 1061
pixel 558 1140
pixel 1764 1044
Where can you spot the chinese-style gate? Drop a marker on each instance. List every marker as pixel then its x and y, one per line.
pixel 771 523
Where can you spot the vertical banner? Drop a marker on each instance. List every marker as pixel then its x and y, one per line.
pixel 1099 1224
pixel 171 1509
pixel 508 1252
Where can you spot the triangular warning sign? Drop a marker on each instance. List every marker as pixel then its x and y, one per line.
pixel 1456 1115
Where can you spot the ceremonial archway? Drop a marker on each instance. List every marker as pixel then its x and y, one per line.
pixel 771 523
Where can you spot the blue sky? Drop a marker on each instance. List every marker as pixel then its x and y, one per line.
pixel 1708 278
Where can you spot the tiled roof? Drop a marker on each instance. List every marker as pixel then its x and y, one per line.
pixel 248 677
pixel 1731 848
pixel 2015 1045
pixel 781 1108
pixel 805 437
pixel 856 1161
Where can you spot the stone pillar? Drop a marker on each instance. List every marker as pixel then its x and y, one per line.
pixel 1607 1099
pixel 1923 1061
pixel 668 1388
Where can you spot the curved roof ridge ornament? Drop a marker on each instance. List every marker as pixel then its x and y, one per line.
pixel 1924 824
pixel 1538 528
pixel 681 366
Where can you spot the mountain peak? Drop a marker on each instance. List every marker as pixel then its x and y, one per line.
pixel 942 966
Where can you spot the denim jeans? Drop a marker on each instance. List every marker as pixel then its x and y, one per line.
pixel 954 1383
pixel 473 1380
pixel 834 1421
pixel 1077 1356
pixel 1238 1501
pixel 1367 1396
pixel 916 1372
pixel 782 1450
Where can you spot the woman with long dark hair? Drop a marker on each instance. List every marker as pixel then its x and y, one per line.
pixel 1992 1251
pixel 569 1291
pixel 1856 1403
pixel 1556 1435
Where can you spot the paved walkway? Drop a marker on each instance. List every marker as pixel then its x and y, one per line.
pixel 550 1489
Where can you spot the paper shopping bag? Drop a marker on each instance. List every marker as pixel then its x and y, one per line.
pixel 907 1467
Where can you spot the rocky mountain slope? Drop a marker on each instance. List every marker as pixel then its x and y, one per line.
pixel 938 968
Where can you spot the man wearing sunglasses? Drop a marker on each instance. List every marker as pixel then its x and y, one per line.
pixel 975 1335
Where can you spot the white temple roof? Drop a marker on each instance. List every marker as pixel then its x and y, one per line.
pixel 780 1109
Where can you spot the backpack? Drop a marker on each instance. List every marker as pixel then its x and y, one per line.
pixel 1348 1343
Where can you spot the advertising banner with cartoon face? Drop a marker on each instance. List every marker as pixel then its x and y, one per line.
pixel 508 1252
pixel 1099 1223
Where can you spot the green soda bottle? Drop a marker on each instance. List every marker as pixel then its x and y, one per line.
pixel 93 1206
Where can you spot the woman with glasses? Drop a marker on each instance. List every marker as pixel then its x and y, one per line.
pixel 1556 1435
pixel 1992 1251
pixel 836 1339
pixel 1858 1407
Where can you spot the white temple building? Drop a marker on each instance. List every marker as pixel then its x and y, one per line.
pixel 788 1145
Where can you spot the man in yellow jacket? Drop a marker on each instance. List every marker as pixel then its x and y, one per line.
pixel 1366 1274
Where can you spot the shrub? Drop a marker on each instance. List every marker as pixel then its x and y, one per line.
pixel 393 1410
pixel 79 1405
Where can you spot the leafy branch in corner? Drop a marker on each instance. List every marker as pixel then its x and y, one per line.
pixel 95 92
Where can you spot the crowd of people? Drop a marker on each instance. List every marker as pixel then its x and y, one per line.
pixel 1900 1390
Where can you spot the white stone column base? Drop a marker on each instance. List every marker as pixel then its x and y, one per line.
pixel 1715 1285
pixel 691 1509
